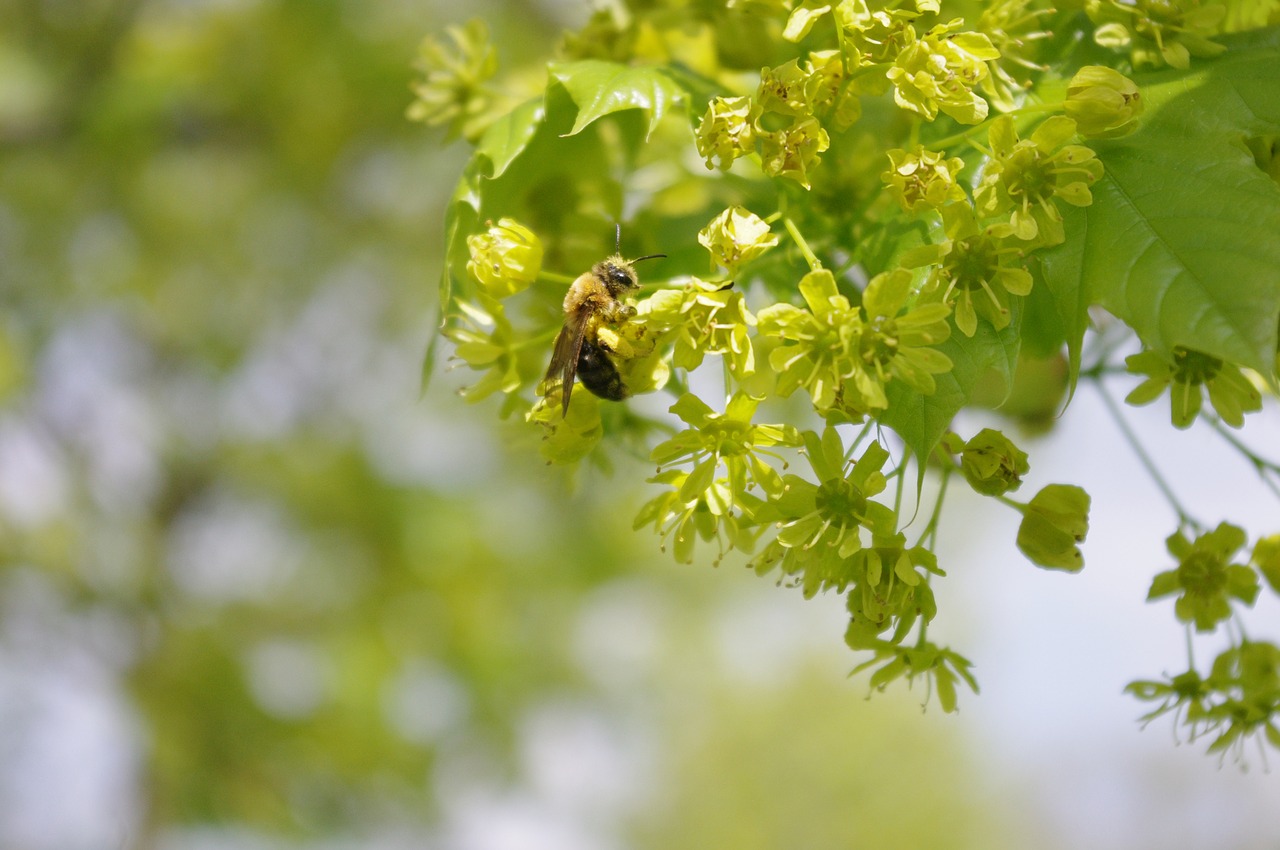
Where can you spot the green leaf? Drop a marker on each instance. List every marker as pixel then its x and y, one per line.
pixel 550 168
pixel 1180 241
pixel 921 420
pixel 433 345
pixel 507 137
pixel 1052 318
pixel 600 88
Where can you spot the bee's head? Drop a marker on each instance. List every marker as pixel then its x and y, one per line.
pixel 617 275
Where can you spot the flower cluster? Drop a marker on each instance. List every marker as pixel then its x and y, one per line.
pixel 844 354
pixel 799 105
pixel 1159 32
pixel 1240 696
pixel 1241 693
pixel 782 120
pixel 940 70
pixel 452 90
pixel 979 266
pixel 911 172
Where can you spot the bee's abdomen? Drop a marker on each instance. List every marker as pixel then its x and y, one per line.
pixel 599 374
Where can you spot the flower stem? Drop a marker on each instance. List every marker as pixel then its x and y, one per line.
pixel 810 258
pixel 1260 464
pixel 967 134
pixel 1184 518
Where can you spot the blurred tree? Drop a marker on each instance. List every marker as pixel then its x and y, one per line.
pixel 335 611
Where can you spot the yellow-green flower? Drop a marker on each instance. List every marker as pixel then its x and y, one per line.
pixel 1159 32
pixel 1028 176
pixel 923 179
pixel 639 360
pixel 827 91
pixel 451 91
pixel 887 589
pixel 1017 29
pixel 569 436
pixel 844 354
pixel 992 464
pixel 727 131
pixel 1054 523
pixel 876 37
pixel 823 350
pixel 940 70
pixel 728 438
pixel 1188 375
pixel 707 516
pixel 494 352
pixel 1205 579
pixel 783 90
pixel 820 525
pixel 735 237
pixel 505 259
pixel 974 271
pixel 793 151
pixel 705 318
pixel 1104 103
pixel 898 347
pixel 700 504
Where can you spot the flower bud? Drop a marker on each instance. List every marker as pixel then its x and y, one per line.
pixel 505 259
pixel 1055 520
pixel 1104 103
pixel 992 464
pixel 923 179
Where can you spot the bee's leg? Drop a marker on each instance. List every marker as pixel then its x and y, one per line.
pixel 615 343
pixel 616 313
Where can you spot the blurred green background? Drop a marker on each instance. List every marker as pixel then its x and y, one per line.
pixel 256 593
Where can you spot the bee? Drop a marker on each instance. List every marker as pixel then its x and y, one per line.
pixel 594 299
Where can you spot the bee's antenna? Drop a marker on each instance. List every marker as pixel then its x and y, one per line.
pixel 617 233
pixel 649 257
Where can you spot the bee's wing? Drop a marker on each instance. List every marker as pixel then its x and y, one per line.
pixel 564 359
